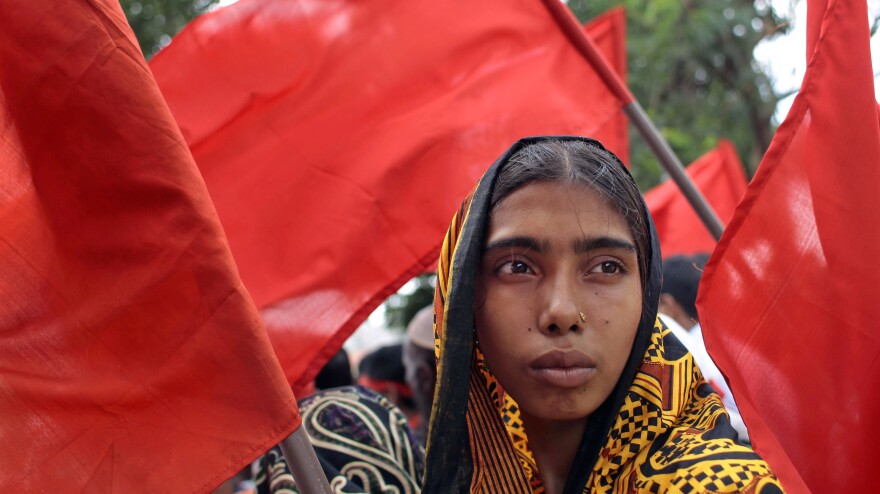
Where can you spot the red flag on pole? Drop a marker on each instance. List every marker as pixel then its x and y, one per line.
pixel 788 301
pixel 608 32
pixel 719 176
pixel 132 358
pixel 336 138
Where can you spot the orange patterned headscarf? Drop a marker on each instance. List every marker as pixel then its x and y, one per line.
pixel 662 427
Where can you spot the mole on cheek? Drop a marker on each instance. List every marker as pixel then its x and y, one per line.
pixel 530 330
pixel 607 322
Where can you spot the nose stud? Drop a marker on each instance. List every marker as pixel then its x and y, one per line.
pixel 582 316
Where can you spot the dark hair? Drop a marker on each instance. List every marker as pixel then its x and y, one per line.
pixel 681 278
pixel 336 372
pixel 578 162
pixel 386 364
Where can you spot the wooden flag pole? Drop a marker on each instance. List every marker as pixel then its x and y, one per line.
pixel 303 463
pixel 673 167
pixel 636 115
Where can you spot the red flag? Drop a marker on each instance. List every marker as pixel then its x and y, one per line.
pixel 132 358
pixel 608 33
pixel 788 300
pixel 336 138
pixel 719 175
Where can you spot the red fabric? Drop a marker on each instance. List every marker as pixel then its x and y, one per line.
pixel 814 24
pixel 608 33
pixel 788 302
pixel 598 60
pixel 719 175
pixel 336 138
pixel 131 358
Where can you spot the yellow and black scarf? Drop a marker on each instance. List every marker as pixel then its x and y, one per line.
pixel 662 428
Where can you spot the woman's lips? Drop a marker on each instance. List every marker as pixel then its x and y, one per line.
pixel 563 368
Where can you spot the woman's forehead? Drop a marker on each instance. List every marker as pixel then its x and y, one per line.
pixel 556 210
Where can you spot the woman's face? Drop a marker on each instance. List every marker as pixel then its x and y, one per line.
pixel 554 251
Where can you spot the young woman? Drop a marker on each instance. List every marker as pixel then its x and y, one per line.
pixel 554 372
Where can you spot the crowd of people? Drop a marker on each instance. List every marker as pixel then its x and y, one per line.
pixel 561 354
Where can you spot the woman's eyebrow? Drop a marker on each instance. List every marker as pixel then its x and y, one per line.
pixel 521 242
pixel 590 243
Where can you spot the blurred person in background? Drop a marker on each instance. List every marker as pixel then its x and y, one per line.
pixel 362 440
pixel 382 370
pixel 336 372
pixel 420 366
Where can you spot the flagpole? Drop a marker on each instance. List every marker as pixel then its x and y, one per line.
pixel 670 162
pixel 673 167
pixel 303 463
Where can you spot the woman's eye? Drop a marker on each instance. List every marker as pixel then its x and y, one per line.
pixel 608 267
pixel 515 267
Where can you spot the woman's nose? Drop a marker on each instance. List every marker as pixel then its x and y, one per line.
pixel 560 312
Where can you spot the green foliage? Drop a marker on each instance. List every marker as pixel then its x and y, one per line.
pixel 692 68
pixel 401 307
pixel 155 22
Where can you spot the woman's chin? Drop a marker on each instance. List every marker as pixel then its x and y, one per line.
pixel 558 413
